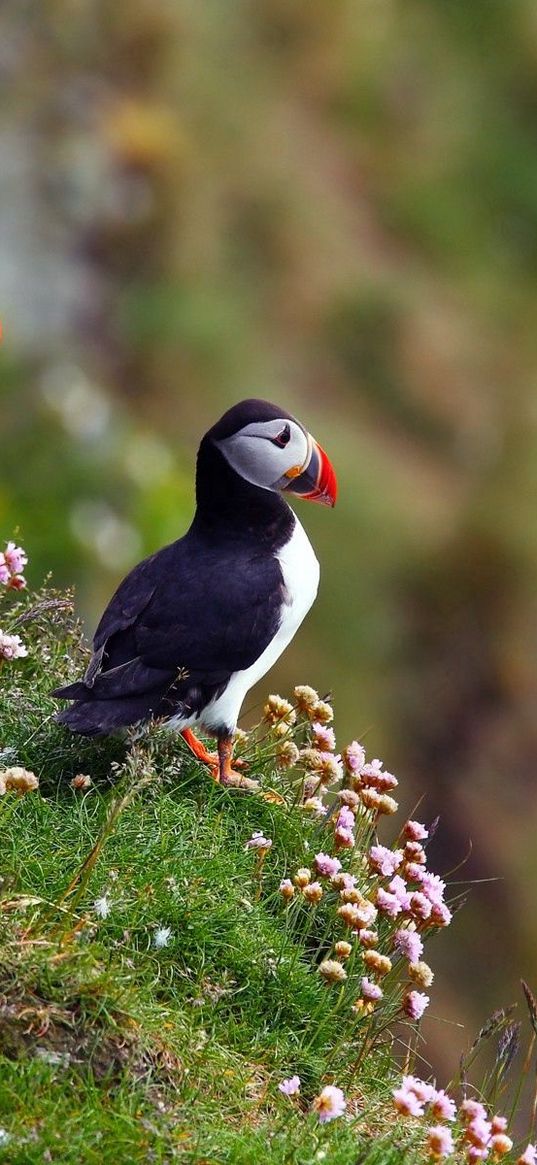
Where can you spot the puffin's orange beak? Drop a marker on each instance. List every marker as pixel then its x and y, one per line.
pixel 316 482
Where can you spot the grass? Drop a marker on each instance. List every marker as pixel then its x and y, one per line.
pixel 115 1049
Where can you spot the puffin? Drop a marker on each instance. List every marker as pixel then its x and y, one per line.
pixel 194 626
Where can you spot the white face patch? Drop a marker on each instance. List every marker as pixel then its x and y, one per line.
pixel 265 451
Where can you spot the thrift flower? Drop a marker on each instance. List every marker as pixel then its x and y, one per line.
pixel 101 906
pixel 376 963
pixel 287 754
pixel 332 971
pixel 368 938
pixel 501 1144
pixel 384 861
pixel 424 1091
pixel 324 738
pixel 305 697
pixel 343 881
pixel 302 877
pixel 529 1156
pixel 415 831
pixel 313 892
pixel 440 1141
pixel 161 937
pixel 81 781
pixel 349 797
pixel 409 943
pixel 443 1107
pixel 12 647
pixel 415 853
pixel 498 1124
pixel 420 905
pixel 258 842
pixel 470 1109
pixel 330 1103
pixel 354 758
pixel 414 1004
pixel 18 780
pixel 291 1086
pixel 388 903
pixel 421 974
pixel 343 949
pixel 345 818
pixel 344 838
pixel 287 889
pixel 407 1102
pixel 316 806
pixel 15 558
pixel 277 708
pixel 322 712
pixel 326 866
pixel 370 991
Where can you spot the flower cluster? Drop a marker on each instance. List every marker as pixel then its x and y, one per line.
pixel 476 1135
pixel 12 562
pixel 11 647
pixel 328 1105
pixel 17 780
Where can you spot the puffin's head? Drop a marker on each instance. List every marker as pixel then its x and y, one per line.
pixel 270 448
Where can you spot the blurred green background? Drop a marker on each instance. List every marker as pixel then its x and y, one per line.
pixel 332 204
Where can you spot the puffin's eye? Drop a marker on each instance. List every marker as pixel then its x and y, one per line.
pixel 283 438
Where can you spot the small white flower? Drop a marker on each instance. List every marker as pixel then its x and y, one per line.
pixel 101 907
pixel 5 1137
pixel 161 937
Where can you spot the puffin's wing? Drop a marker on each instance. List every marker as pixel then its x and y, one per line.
pixel 189 616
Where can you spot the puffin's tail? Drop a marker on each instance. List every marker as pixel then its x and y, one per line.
pixel 101 717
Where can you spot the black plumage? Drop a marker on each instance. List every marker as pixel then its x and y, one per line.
pixel 188 617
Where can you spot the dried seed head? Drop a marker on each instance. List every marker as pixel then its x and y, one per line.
pixel 421 974
pixel 302 877
pixel 19 780
pixel 349 797
pixel 313 892
pixel 305 698
pixel 81 781
pixel 287 754
pixel 343 949
pixel 287 889
pixel 377 963
pixel 332 971
pixel 322 712
pixel 368 938
pixel 276 708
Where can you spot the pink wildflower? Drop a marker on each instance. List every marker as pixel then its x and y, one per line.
pixel 343 881
pixel 414 1004
pixel 399 887
pixel 354 757
pixel 420 905
pixel 413 871
pixel 257 841
pixel 4 572
pixel 368 938
pixel 407 1103
pixel 473 1154
pixel 370 990
pixel 421 1088
pixel 478 1132
pixel 529 1156
pixel 432 886
pixel 330 1103
pixel 324 737
pixel 409 943
pixel 15 558
pixel 440 914
pixel 498 1124
pixel 346 818
pixel 440 1141
pixel 500 1144
pixel 326 865
pixel 388 903
pixel 344 838
pixel 442 1106
pixel 373 777
pixel 12 647
pixel 385 861
pixel 291 1086
pixel 415 831
pixel 470 1109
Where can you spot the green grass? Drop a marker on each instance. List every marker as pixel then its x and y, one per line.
pixel 112 1050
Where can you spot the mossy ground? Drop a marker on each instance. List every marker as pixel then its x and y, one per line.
pixel 112 1049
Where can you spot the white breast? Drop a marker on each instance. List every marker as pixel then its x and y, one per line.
pixel 300 571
